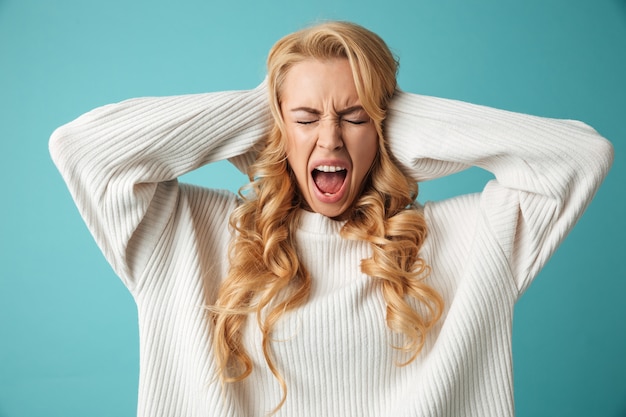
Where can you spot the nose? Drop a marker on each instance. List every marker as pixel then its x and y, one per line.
pixel 329 136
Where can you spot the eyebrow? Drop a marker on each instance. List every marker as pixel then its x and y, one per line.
pixel 343 112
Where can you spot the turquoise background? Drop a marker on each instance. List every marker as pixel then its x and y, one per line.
pixel 68 333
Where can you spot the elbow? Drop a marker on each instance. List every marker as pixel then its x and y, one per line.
pixel 68 152
pixel 56 144
pixel 63 150
pixel 600 156
pixel 600 151
pixel 607 152
pixel 64 146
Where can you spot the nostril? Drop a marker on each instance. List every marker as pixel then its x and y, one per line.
pixel 334 143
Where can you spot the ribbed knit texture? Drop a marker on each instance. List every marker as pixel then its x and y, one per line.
pixel 168 241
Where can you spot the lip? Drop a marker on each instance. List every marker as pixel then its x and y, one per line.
pixel 339 195
pixel 330 162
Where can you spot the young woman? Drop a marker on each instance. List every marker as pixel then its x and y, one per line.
pixel 323 288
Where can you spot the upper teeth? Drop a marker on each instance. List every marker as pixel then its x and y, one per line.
pixel 328 168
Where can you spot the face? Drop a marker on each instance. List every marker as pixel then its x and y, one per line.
pixel 331 141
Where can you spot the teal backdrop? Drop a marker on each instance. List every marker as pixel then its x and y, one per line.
pixel 68 332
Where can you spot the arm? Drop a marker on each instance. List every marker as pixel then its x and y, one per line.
pixel 121 161
pixel 546 170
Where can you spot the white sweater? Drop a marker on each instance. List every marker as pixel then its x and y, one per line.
pixel 167 242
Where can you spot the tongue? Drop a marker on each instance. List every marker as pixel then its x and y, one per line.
pixel 329 182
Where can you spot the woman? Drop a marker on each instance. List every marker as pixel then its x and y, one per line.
pixel 323 288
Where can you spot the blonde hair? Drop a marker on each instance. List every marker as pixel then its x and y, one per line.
pixel 266 277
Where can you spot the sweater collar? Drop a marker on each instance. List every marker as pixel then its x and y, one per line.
pixel 318 223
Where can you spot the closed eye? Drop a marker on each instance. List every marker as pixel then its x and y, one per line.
pixel 306 122
pixel 355 122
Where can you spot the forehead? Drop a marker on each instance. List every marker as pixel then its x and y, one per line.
pixel 316 82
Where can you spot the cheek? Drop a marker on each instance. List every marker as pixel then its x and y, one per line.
pixel 290 144
pixel 295 148
pixel 366 150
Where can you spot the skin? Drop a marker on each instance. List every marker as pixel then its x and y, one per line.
pixel 326 125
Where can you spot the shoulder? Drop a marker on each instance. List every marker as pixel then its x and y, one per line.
pixel 451 224
pixel 208 209
pixel 452 211
pixel 207 200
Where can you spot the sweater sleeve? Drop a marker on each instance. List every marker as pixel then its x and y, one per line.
pixel 121 162
pixel 546 170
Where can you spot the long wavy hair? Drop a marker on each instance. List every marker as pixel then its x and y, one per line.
pixel 266 278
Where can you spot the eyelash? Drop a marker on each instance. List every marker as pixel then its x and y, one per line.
pixel 353 122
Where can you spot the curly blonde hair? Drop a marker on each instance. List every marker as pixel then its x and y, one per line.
pixel 266 278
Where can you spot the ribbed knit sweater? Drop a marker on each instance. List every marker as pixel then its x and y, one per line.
pixel 168 243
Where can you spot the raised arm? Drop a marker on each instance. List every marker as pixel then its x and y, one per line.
pixel 121 161
pixel 546 170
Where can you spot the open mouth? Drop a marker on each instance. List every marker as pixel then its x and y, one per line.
pixel 329 179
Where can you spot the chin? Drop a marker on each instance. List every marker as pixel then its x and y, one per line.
pixel 340 213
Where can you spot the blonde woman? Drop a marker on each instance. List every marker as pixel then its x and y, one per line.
pixel 323 288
